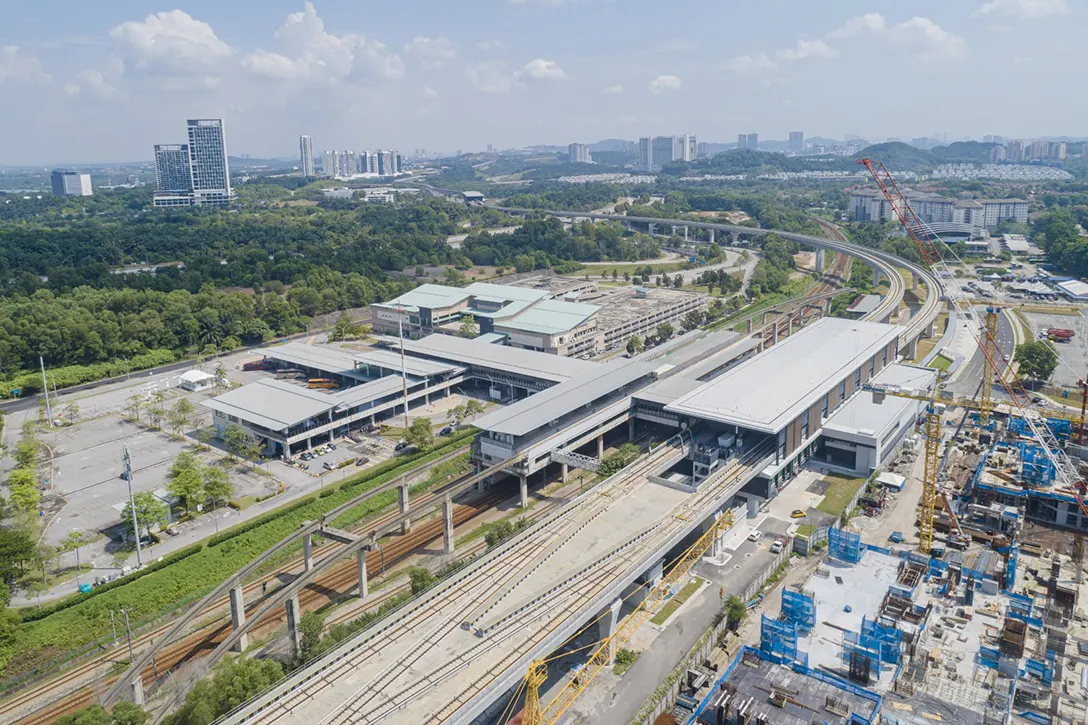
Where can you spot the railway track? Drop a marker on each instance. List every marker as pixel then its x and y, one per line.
pixel 335 583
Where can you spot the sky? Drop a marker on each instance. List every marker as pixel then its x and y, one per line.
pixel 84 82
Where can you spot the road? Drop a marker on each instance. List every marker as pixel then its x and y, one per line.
pixel 967 378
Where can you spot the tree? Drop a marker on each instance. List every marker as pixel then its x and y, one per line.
pixel 1037 359
pixel 735 611
pixel 124 713
pixel 217 484
pixel 236 680
pixel 635 345
pixel 128 713
pixel 122 555
pixel 457 414
pixel 473 407
pixel 311 626
pixel 236 439
pixel 203 435
pixel 180 415
pixel 664 331
pixel 692 320
pixel 155 410
pixel 616 462
pixel 498 531
pixel 184 461
pixel 133 406
pixel 344 329
pixel 419 434
pixel 468 327
pixel 678 281
pixel 71 411
pixel 220 374
pixel 16 551
pixel 25 495
pixel 149 511
pixel 187 485
pixel 420 578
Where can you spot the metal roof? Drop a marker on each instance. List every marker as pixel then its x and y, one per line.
pixel 540 410
pixel 322 358
pixel 273 404
pixel 862 416
pixel 390 360
pixel 538 365
pixel 770 389
pixel 428 296
pixel 864 304
pixel 668 390
pixel 551 317
pixel 368 392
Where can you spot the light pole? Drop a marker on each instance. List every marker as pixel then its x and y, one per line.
pixel 132 503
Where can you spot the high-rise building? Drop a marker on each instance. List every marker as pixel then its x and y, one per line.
pixel 1056 151
pixel 688 145
pixel 306 154
pixel 208 162
pixel 797 142
pixel 748 141
pixel 702 150
pixel 1039 150
pixel 172 168
pixel 646 153
pixel 387 163
pixel 997 154
pixel 656 151
pixel 578 153
pixel 70 183
pixel 1015 151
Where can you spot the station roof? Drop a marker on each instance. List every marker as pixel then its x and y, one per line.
pixel 327 359
pixel 540 410
pixel 864 304
pixel 273 404
pixel 551 317
pixel 390 360
pixel 528 363
pixel 668 390
pixel 367 392
pixel 862 416
pixel 769 390
pixel 428 296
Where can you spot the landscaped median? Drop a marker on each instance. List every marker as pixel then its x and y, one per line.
pixel 84 619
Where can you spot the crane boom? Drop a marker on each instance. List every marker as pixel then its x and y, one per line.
pixel 1066 475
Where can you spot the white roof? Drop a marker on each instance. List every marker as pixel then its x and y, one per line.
pixel 196 376
pixel 769 390
pixel 273 404
pixel 1074 288
pixel 862 416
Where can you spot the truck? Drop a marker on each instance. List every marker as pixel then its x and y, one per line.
pixel 1058 334
pixel 261 364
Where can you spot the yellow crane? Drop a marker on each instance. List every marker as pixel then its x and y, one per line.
pixel 535 714
pixel 989 355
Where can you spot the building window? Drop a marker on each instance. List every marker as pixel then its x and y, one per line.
pixel 827 402
pixel 857 379
pixel 804 425
pixel 872 367
pixel 884 364
pixel 842 391
pixel 781 445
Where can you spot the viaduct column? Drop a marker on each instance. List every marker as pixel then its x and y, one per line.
pixel 600 446
pixel 360 563
pixel 447 525
pixel 819 260
pixel 523 484
pixel 876 276
pixel 238 617
pixel 294 616
pixel 308 552
pixel 403 494
pixel 607 626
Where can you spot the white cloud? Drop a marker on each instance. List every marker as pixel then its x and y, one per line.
pixel 431 52
pixel 861 25
pixel 489 77
pixel 1026 9
pixel 311 52
pixel 749 63
pixel 104 84
pixel 664 83
pixel 489 45
pixel 21 65
pixel 429 93
pixel 931 42
pixel 540 69
pixel 173 40
pixel 806 49
pixel 612 90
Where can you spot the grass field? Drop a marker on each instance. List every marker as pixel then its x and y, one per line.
pixel 673 604
pixel 839 494
pixel 940 362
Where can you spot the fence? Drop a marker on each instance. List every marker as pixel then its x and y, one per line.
pixel 753 588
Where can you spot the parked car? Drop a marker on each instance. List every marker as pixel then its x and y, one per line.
pixel 362 461
pixel 755 535
pixel 328 466
pixel 332 446
pixel 401 445
pixel 797 514
pixel 446 431
pixel 778 544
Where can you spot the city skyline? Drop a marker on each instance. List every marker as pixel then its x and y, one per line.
pixel 518 73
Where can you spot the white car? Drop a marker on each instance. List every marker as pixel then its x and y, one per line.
pixel 755 535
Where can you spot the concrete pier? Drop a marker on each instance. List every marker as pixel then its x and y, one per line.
pixel 403 494
pixel 238 617
pixel 523 485
pixel 294 617
pixel 447 525
pixel 360 562
pixel 308 552
pixel 607 626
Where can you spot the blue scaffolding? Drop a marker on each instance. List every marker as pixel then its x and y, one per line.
pixel 1043 669
pixel 988 657
pixel 799 609
pixel 860 647
pixel 844 546
pixel 889 638
pixel 1061 428
pixel 778 641
pixel 1036 466
pixel 1010 566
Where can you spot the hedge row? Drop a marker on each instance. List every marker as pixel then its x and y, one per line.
pixel 64 377
pixel 159 591
pixel 31 615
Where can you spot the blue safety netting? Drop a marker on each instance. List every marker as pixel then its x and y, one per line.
pixel 777 640
pixel 800 609
pixel 1036 466
pixel 844 546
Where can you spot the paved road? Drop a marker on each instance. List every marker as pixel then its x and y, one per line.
pixel 967 380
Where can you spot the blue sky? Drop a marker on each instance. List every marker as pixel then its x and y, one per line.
pixel 88 82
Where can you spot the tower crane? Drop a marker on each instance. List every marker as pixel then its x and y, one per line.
pixel 534 713
pixel 1066 475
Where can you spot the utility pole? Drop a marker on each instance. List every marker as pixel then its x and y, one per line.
pixel 128 633
pixel 113 625
pixel 403 375
pixel 45 390
pixel 1083 398
pixel 132 503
